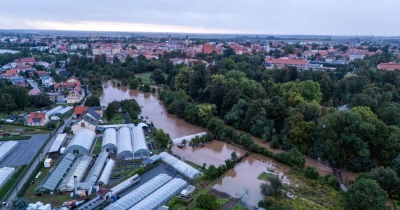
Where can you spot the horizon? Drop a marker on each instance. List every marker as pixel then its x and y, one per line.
pixel 288 17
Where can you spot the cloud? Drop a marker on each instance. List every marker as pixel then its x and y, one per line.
pixel 335 17
pixel 122 27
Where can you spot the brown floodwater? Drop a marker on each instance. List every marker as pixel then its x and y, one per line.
pixel 242 181
pixel 215 153
pixel 152 109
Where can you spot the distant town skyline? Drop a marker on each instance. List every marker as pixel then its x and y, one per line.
pixel 302 17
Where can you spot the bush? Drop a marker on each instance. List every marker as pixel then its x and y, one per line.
pixel 291 158
pixel 311 172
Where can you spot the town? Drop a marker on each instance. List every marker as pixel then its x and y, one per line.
pixel 104 120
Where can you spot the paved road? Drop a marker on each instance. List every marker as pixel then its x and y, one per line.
pixel 33 166
pixel 25 151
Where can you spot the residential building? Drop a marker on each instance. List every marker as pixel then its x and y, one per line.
pixel 389 66
pixel 89 120
pixel 37 119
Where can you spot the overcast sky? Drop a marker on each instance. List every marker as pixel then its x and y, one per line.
pixel 321 17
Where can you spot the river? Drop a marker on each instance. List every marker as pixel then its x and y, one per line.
pixel 245 184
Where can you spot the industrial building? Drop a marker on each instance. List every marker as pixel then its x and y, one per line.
pixel 78 169
pixel 140 149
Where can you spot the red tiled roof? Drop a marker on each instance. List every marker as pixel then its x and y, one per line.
pixel 11 73
pixel 35 115
pixel 80 109
pixel 28 60
pixel 207 48
pixel 280 61
pixel 389 66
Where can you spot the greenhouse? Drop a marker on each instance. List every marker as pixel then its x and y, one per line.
pixel 140 193
pixel 55 147
pixel 6 148
pixel 125 184
pixel 180 166
pixel 162 195
pixel 54 111
pixel 78 169
pixel 97 167
pixel 82 142
pixel 109 140
pixel 140 149
pixel 124 144
pixel 105 175
pixel 57 175
pixel 64 110
pixel 5 174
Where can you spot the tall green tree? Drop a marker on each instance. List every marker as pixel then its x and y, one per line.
pixel 367 195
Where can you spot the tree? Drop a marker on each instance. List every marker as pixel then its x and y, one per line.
pixel 161 138
pixel 112 109
pixel 92 101
pixel 20 203
pixel 182 79
pixel 386 178
pixel 228 51
pixel 206 201
pixel 272 188
pixel 216 126
pixel 158 77
pixel 366 194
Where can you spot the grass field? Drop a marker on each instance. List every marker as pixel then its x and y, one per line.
pixel 55 200
pixel 9 138
pixel 145 77
pixel 97 146
pixel 24 130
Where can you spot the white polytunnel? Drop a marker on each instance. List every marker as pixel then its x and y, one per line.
pixel 162 195
pixel 180 166
pixel 105 175
pixel 140 150
pixel 125 184
pixel 82 142
pixel 109 140
pixel 97 167
pixel 124 144
pixel 139 193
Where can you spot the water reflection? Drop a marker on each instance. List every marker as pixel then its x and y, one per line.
pixel 152 109
pixel 242 181
pixel 215 153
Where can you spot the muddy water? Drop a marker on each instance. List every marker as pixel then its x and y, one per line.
pixel 215 153
pixel 152 108
pixel 242 181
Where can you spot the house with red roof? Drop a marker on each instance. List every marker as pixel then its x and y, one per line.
pixel 80 110
pixel 208 48
pixel 284 62
pixel 11 73
pixel 37 119
pixel 389 66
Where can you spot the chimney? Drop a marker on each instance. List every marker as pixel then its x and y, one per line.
pixel 75 184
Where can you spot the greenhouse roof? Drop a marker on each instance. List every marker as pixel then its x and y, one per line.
pixel 140 193
pixel 162 195
pixel 180 166
pixel 57 175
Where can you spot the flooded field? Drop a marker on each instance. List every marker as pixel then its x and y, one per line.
pixel 152 109
pixel 215 153
pixel 242 181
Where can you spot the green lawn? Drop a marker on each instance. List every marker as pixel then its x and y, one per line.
pixel 97 146
pixel 55 199
pixel 24 130
pixel 9 138
pixel 145 77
